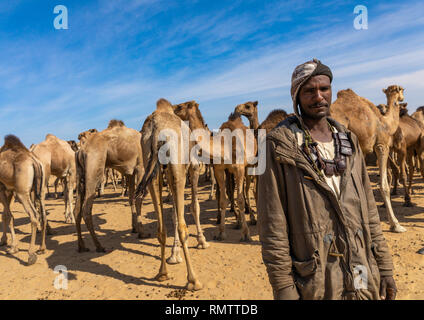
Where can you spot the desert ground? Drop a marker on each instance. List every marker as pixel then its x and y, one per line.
pixel 228 269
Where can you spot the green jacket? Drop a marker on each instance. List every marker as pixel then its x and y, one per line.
pixel 314 245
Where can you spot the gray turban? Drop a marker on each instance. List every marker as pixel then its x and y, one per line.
pixel 302 74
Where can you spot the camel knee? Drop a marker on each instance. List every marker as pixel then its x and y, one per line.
pixel 183 232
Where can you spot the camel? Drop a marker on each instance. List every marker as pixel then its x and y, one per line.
pixel 116 147
pixel 408 140
pixel 20 174
pixel 374 131
pixel 419 114
pixel 165 120
pixel 58 159
pixel 190 111
pixel 250 111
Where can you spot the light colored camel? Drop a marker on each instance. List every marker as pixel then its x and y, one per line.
pixel 250 111
pixel 58 159
pixel 165 120
pixel 374 131
pixel 190 111
pixel 20 174
pixel 116 147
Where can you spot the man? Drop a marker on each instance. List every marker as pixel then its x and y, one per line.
pixel 318 221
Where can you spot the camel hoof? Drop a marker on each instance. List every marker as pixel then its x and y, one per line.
pixel 237 226
pixel 3 242
pixel 41 251
pixel 83 249
pixel 421 251
pixel 203 245
pixel 174 260
pixel 397 228
pixel 143 235
pixel 12 250
pixel 69 220
pixel 245 238
pixel 222 236
pixel 162 277
pixel 194 286
pixel 32 259
pixel 408 204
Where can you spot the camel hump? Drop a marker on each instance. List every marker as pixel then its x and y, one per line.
pixel 164 105
pixel 345 92
pixel 50 136
pixel 11 141
pixel 116 123
pixel 420 109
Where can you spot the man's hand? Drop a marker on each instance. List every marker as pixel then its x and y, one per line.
pixel 388 288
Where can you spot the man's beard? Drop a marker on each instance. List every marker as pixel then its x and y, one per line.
pixel 315 116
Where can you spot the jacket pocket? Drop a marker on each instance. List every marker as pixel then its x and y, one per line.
pixel 308 278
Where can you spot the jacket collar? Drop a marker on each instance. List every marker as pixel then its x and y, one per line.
pixel 288 151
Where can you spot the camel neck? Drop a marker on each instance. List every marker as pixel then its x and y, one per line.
pixel 254 124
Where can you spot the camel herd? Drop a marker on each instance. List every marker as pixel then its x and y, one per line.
pixel 387 130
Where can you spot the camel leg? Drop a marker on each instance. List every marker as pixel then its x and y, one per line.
pixel 30 210
pixel 87 215
pixel 382 155
pixel 6 198
pixel 112 178
pixel 178 171
pixel 131 189
pixel 213 182
pixel 44 222
pixel 410 162
pixel 78 216
pixel 195 207
pixel 155 193
pixel 403 175
pixel 175 257
pixel 220 177
pixel 249 179
pixel 69 197
pixel 239 177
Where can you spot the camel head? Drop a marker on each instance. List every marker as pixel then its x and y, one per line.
pixel 185 109
pixel 73 145
pixel 84 135
pixel 248 109
pixel 394 91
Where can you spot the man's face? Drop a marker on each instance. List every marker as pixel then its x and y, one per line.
pixel 315 97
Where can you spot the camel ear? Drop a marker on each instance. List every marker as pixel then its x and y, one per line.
pixel 384 90
pixel 255 103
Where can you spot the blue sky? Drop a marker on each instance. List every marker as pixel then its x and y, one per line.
pixel 118 57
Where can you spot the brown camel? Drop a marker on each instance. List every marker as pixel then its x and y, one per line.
pixel 419 114
pixel 162 121
pixel 20 174
pixel 408 140
pixel 58 159
pixel 374 131
pixel 116 147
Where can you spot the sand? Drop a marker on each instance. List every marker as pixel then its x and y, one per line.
pixel 228 269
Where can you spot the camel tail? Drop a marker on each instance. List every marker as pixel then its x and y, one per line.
pixel 39 177
pixel 80 187
pixel 151 169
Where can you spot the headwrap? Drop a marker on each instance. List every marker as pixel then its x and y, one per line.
pixel 302 73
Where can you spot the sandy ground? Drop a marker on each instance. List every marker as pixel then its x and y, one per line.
pixel 228 270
